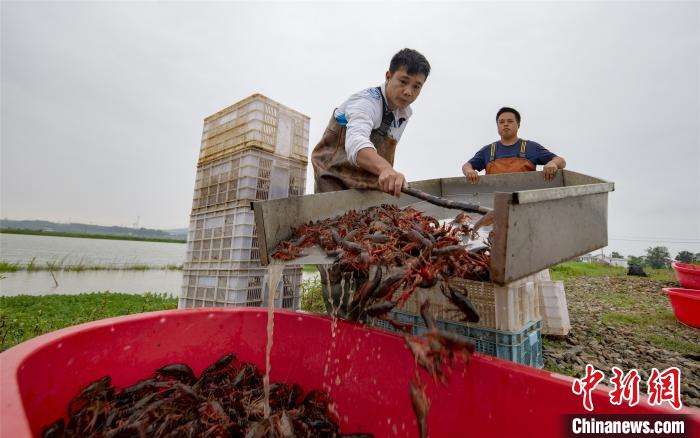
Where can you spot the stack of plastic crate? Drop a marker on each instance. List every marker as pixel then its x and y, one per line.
pixel 253 150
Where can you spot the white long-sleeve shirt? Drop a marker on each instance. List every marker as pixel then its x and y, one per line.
pixel 362 113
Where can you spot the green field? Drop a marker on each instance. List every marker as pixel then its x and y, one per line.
pixel 88 235
pixel 24 317
pixel 567 270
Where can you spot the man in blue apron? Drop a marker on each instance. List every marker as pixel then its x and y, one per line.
pixel 511 154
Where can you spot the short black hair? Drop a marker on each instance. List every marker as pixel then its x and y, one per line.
pixel 506 109
pixel 412 60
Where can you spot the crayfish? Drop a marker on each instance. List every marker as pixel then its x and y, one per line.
pixel 226 400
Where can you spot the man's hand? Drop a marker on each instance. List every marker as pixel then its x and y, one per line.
pixel 391 181
pixel 550 169
pixel 471 174
pixel 485 221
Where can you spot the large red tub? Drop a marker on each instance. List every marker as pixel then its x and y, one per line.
pixel 368 370
pixel 688 275
pixel 685 304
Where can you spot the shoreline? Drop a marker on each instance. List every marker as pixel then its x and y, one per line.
pixel 88 235
pixel 7 267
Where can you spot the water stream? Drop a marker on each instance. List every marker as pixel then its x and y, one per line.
pixel 274 273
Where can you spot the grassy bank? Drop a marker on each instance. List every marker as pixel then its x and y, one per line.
pixel 88 235
pixel 61 266
pixel 24 317
pixel 567 270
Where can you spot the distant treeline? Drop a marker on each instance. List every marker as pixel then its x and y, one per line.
pixel 90 235
pixel 40 225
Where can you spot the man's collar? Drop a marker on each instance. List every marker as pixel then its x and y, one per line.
pixel 517 141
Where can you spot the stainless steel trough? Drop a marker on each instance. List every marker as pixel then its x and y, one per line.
pixel 538 223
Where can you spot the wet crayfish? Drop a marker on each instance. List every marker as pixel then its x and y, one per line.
pixel 225 401
pixel 390 252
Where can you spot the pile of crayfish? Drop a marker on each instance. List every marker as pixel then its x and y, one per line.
pixel 227 400
pixel 390 252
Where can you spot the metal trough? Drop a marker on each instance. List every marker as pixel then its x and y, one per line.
pixel 538 223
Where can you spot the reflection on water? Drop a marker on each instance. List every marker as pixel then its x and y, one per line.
pixel 20 248
pixel 71 283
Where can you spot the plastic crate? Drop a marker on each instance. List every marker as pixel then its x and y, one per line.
pixel 250 175
pixel 239 288
pixel 523 346
pixel 222 236
pixel 256 121
pixel 508 308
pixel 551 303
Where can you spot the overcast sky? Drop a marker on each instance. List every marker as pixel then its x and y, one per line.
pixel 102 103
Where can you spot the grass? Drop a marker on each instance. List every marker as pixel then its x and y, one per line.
pixel 567 270
pixel 673 344
pixel 617 300
pixel 60 265
pixel 623 318
pixel 23 317
pixel 88 235
pixel 311 296
pixel 10 267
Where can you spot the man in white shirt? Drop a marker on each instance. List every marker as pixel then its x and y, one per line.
pixel 357 149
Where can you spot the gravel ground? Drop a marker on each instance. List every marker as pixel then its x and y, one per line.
pixel 625 322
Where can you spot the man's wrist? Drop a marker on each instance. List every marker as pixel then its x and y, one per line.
pixel 383 167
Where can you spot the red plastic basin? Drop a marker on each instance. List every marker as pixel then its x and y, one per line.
pixel 487 397
pixel 688 275
pixel 686 305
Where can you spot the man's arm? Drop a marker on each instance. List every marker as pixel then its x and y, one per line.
pixel 361 112
pixel 471 174
pixel 469 170
pixel 551 162
pixel 390 180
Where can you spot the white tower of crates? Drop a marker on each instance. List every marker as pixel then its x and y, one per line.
pixel 253 150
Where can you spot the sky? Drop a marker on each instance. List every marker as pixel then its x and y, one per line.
pixel 103 103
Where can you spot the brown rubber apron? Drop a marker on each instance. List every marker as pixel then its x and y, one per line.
pixel 333 172
pixel 332 169
pixel 510 164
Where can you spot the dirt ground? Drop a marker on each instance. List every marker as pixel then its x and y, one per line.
pixel 625 322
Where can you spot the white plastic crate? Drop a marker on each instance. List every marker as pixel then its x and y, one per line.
pixel 239 288
pixel 508 308
pixel 515 305
pixel 256 121
pixel 552 306
pixel 219 236
pixel 245 176
pixel 542 276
